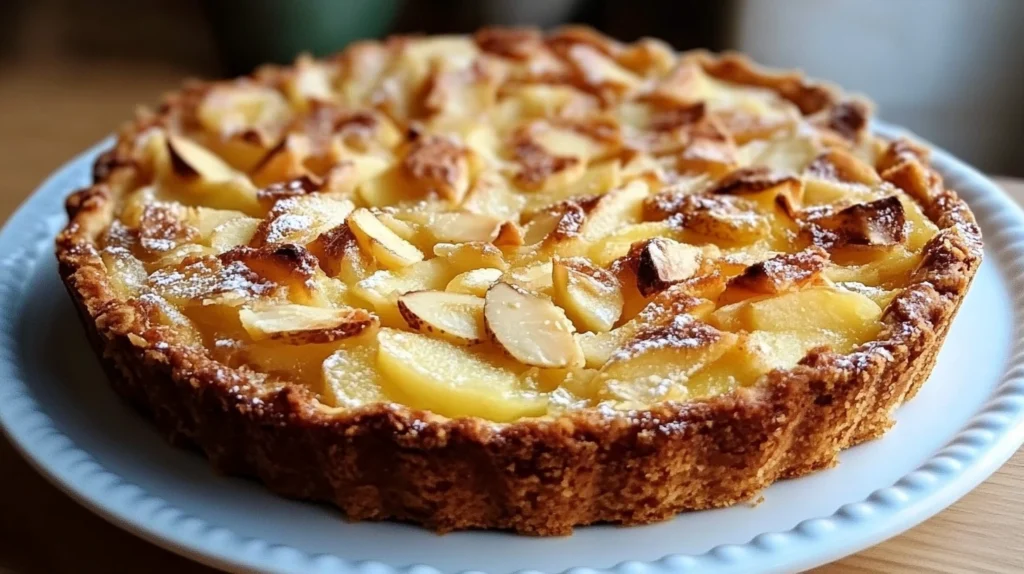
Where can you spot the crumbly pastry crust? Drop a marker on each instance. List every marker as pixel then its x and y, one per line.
pixel 533 476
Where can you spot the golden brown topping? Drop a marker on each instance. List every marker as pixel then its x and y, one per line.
pixel 567 37
pixel 302 325
pixel 515 43
pixel 781 273
pixel 838 165
pixel 753 180
pixel 334 245
pixel 558 223
pixel 659 263
pixel 880 223
pixel 439 166
pixel 161 228
pixel 725 218
pixel 302 185
pixel 575 203
pixel 900 151
pixel 848 119
pixel 810 98
pixel 284 264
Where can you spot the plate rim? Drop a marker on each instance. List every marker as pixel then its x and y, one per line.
pixel 988 439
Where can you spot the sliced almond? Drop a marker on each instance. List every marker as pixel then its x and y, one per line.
pixel 591 296
pixel 301 324
pixel 462 227
pixel 661 262
pixel 454 317
pixel 192 161
pixel 377 239
pixel 474 282
pixel 530 328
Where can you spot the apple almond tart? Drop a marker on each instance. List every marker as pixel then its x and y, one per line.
pixel 516 280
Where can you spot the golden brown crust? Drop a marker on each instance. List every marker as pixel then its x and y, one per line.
pixel 544 477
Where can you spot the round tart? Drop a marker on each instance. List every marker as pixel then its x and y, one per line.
pixel 516 280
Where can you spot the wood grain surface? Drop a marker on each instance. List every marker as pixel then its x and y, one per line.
pixel 49 113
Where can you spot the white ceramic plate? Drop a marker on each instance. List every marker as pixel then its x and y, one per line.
pixel 59 411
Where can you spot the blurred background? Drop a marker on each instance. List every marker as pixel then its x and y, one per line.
pixel 71 70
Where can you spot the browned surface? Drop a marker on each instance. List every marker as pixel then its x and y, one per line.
pixel 44 125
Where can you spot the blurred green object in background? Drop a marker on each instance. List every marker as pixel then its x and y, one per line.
pixel 252 32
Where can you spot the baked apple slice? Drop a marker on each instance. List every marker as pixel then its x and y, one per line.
pixel 351 377
pixel 452 381
pixel 658 362
pixel 591 296
pixel 474 282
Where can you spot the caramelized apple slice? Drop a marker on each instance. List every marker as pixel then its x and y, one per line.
pixel 657 363
pixel 454 317
pixel 530 328
pixel 453 381
pixel 377 239
pixel 191 161
pixel 300 324
pixel 591 296
pixel 673 302
pixel 877 225
pixel 779 274
pixel 300 220
pixel 127 273
pixel 438 165
pixel 474 282
pixel 615 209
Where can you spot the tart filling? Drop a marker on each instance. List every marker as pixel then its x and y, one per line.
pixel 479 232
pixel 517 280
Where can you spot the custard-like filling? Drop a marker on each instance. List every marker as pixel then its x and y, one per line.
pixel 511 226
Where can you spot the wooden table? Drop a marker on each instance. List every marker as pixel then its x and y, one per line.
pixel 49 113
